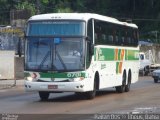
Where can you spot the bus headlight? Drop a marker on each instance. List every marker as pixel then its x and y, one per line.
pixel 76 79
pixel 31 79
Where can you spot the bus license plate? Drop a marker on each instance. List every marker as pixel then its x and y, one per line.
pixel 52 86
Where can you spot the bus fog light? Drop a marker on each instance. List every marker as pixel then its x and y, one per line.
pixel 81 86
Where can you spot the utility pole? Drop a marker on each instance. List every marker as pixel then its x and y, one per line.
pixel 38 7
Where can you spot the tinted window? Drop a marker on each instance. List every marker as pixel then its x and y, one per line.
pixel 114 34
pixel 45 28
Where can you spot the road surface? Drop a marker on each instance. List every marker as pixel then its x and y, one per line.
pixel 143 97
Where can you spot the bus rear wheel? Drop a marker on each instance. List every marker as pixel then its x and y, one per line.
pixel 44 95
pixel 127 87
pixel 121 89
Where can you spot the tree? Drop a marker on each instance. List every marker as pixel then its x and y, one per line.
pixel 26 5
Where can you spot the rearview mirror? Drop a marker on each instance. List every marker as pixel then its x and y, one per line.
pixel 57 40
pixel 92 49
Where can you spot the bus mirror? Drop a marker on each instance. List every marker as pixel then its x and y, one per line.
pixel 57 40
pixel 92 49
pixel 88 39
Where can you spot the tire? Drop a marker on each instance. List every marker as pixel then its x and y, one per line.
pixel 127 87
pixel 121 89
pixel 80 95
pixel 146 71
pixel 143 72
pixel 44 96
pixel 155 80
pixel 91 94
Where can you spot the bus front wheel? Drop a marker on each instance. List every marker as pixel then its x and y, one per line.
pixel 92 94
pixel 121 88
pixel 44 95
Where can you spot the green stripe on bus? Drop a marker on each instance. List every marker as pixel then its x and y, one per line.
pixel 63 75
pixel 60 75
pixel 103 54
pixel 109 54
pixel 132 55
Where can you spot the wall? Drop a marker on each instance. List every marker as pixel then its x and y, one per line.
pixel 19 67
pixel 11 67
pixel 155 51
pixel 7 64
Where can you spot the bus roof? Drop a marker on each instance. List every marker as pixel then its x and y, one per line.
pixel 80 16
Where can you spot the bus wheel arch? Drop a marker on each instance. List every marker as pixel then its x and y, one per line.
pixel 121 88
pixel 92 94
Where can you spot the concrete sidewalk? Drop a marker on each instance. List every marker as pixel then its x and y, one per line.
pixel 4 84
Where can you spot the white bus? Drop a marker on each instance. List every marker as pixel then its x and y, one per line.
pixel 81 53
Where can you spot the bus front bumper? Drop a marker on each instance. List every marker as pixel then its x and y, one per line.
pixel 55 86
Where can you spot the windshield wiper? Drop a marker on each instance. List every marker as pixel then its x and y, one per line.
pixel 44 59
pixel 61 60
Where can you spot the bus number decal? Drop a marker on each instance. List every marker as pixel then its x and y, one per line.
pixel 73 75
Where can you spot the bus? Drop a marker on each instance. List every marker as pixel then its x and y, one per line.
pixel 81 53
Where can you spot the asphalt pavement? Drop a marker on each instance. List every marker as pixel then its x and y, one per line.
pixel 4 84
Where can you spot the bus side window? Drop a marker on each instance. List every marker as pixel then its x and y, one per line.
pixel 116 39
pixel 129 41
pixel 114 35
pixel 97 33
pixel 135 38
pixel 110 39
pixel 123 39
pixel 103 38
pixel 95 36
pixel 90 30
pixel 121 36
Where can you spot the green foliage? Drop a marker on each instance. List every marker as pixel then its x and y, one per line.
pixel 64 10
pixel 26 5
pixel 45 1
pixel 142 12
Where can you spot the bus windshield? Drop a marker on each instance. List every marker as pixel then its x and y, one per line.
pixel 54 54
pixel 53 28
